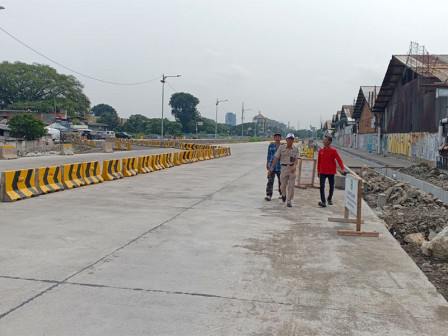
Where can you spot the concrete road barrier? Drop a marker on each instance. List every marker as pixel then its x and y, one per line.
pixel 144 164
pixel 111 170
pixel 49 179
pixel 108 147
pixel 67 149
pixel 152 163
pixel 176 160
pixel 91 172
pixel 164 161
pixel 72 176
pixel 17 185
pixel 158 161
pixel 8 152
pixel 129 167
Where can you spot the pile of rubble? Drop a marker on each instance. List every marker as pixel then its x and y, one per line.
pixel 427 173
pixel 405 210
pixel 417 220
pixel 56 150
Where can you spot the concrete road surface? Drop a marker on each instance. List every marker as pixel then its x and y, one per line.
pixel 195 250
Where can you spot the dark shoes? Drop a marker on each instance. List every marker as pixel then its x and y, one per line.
pixel 330 202
pixel 289 205
pixel 323 205
pixel 267 198
pixel 284 199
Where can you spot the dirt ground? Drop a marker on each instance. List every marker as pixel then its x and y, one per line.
pixel 410 211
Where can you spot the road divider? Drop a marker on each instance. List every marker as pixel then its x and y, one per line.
pixel 67 149
pixel 91 172
pixel 144 164
pixel 25 183
pixel 49 179
pixel 129 167
pixel 72 176
pixel 17 185
pixel 111 170
pixel 8 152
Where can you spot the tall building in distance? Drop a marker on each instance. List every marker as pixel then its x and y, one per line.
pixel 230 119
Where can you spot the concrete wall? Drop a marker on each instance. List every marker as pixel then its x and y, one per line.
pixel 368 142
pixel 24 146
pixel 416 146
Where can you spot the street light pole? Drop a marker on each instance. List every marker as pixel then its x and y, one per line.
pixel 242 119
pixel 163 93
pixel 216 118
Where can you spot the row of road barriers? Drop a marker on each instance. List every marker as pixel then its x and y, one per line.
pixel 25 183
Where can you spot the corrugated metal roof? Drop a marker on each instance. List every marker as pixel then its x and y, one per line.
pixel 366 95
pixel 347 112
pixel 427 65
pixel 433 67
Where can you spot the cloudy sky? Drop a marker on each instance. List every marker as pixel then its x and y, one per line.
pixel 294 61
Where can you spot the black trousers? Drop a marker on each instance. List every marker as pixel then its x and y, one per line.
pixel 271 180
pixel 322 178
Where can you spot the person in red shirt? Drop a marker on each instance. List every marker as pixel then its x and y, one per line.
pixel 326 168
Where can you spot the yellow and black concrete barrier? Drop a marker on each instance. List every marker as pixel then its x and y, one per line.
pixel 49 179
pixel 17 185
pixel 111 170
pixel 144 164
pixel 129 167
pixel 91 172
pixel 72 176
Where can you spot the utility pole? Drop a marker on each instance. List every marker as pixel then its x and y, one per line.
pixel 163 92
pixel 216 118
pixel 242 119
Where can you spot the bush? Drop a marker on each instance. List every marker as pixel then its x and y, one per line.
pixel 255 139
pixel 27 126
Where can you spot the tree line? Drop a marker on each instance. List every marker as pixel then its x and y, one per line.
pixel 39 88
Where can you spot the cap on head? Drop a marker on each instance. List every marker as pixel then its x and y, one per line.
pixel 290 136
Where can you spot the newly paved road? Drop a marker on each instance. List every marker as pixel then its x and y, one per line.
pixel 195 250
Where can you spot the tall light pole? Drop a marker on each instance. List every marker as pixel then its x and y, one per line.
pixel 216 118
pixel 163 93
pixel 242 119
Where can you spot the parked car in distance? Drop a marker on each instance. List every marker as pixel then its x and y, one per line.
pixel 123 135
pixel 109 134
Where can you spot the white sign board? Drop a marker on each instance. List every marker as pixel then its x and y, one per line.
pixel 351 193
pixel 306 172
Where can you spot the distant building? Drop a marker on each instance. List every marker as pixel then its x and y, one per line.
pixel 230 119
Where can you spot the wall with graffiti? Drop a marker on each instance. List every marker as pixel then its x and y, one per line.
pixel 416 145
pixel 368 142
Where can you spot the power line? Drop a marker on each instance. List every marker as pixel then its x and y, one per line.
pixel 74 71
pixel 171 87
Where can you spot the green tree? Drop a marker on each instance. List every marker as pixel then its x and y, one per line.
pixel 27 126
pixel 183 108
pixel 109 118
pixel 99 109
pixel 40 88
pixel 136 123
pixel 173 128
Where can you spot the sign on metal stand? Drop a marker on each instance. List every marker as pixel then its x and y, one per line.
pixel 353 202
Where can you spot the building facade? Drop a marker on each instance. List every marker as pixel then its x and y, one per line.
pixel 230 119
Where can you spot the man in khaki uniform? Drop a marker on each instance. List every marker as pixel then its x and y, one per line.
pixel 288 156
